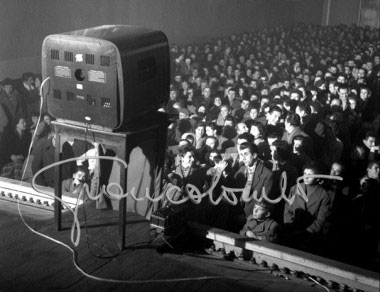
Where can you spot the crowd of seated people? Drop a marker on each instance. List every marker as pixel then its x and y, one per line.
pixel 299 100
pixel 258 110
pixel 19 112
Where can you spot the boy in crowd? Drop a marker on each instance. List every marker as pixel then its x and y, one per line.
pixel 260 224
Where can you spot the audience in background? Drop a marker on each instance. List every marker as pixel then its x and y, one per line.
pixel 305 94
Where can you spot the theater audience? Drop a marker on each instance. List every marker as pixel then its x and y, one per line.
pixel 301 93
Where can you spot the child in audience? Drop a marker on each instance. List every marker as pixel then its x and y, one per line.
pixel 260 224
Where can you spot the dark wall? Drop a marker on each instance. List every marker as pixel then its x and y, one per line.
pixel 344 11
pixel 308 11
pixel 25 23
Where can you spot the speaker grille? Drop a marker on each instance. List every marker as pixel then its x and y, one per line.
pixel 69 56
pixel 91 100
pixel 105 102
pixel 90 59
pixel 105 61
pixel 57 94
pixel 70 96
pixel 54 54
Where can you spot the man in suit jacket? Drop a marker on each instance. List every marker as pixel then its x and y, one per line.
pixel 251 177
pixel 307 220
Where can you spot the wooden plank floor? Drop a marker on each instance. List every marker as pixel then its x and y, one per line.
pixel 29 262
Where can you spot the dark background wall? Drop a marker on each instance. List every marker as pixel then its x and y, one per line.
pixel 344 11
pixel 25 23
pixel 308 11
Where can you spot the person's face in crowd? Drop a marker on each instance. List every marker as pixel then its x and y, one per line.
pixel 369 142
pixel 287 84
pixel 336 169
pixel 173 94
pixel 201 110
pixel 210 131
pixel 228 123
pixel 260 213
pixel 198 81
pixel 333 69
pixel 188 61
pixel 341 79
pixel 264 92
pixel 297 146
pixel 37 82
pixel 255 131
pixel 332 88
pixel 229 70
pixel 270 140
pixel 206 92
pixel 8 88
pixel 253 113
pixel 200 131
pixel 245 104
pixel 217 101
pixel 343 94
pixel 376 60
pixel 369 66
pixel 352 102
pixel 241 128
pixel 178 78
pixel 29 81
pixel 274 118
pixel 361 73
pixel 247 157
pixel 231 94
pixel 210 143
pixel 34 120
pixel 21 125
pixel 204 84
pixel 336 102
pixel 264 100
pixel 224 111
pixel 347 70
pixel 185 85
pixel 373 172
pixel 308 181
pixel 295 96
pixel 195 73
pixel 253 84
pixel 288 127
pixel 355 72
pixel 300 112
pixel 363 94
pixel 182 116
pixel 306 78
pixel 209 57
pixel 47 120
pixel 187 160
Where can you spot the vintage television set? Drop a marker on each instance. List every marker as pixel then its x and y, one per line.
pixel 106 76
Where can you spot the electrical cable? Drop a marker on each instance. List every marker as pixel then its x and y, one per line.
pixel 315 281
pixel 35 130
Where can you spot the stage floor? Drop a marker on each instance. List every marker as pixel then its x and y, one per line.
pixel 29 262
